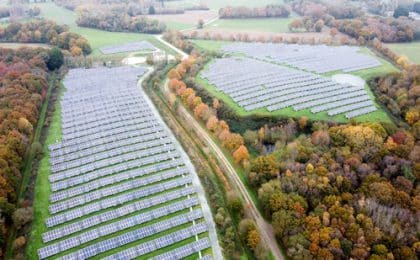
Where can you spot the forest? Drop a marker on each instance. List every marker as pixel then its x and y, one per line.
pixel 116 21
pixel 24 81
pixel 329 190
pixel 355 23
pixel 48 32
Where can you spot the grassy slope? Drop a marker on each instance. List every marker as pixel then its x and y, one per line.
pixel 96 38
pixel 379 115
pixel 411 50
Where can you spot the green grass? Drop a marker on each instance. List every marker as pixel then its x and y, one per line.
pixel 42 186
pixel 96 38
pixel 179 26
pixel 275 25
pixel 379 115
pixel 216 4
pixel 410 49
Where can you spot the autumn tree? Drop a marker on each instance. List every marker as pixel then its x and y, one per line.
pixel 263 169
pixel 241 154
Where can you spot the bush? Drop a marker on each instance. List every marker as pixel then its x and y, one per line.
pixel 56 59
pixel 22 216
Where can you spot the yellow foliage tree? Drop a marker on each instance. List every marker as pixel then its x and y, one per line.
pixel 253 239
pixel 241 154
pixel 412 117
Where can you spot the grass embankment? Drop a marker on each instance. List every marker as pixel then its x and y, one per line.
pixel 96 38
pixel 380 115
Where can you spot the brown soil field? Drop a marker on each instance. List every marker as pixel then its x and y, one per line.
pixel 20 45
pixel 189 17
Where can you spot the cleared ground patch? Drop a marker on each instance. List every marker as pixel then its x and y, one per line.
pixel 187 20
pixel 20 45
pixel 116 182
pixel 276 25
pixel 409 49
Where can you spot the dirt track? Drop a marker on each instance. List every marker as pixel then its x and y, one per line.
pixel 266 230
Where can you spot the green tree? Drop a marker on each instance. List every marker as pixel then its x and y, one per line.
pixel 152 10
pixel 56 59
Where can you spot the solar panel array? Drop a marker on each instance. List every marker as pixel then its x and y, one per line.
pixel 255 84
pixel 314 58
pixel 117 177
pixel 128 47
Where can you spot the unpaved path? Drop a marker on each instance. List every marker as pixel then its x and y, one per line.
pixel 266 230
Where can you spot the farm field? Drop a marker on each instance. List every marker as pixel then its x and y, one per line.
pixel 217 4
pixel 96 38
pixel 120 192
pixel 378 115
pixel 411 50
pixel 275 25
pixel 187 20
pixel 19 45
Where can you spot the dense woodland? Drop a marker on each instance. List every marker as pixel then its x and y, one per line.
pixel 23 86
pixel 48 32
pixel 330 190
pixel 117 21
pixel 256 12
pixel 354 22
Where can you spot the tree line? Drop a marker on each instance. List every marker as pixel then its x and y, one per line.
pixel 256 12
pixel 48 32
pixel 23 86
pixel 115 21
pixel 330 190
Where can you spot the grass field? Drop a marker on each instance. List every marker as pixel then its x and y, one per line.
pixel 216 4
pixel 410 49
pixel 96 38
pixel 379 115
pixel 276 25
